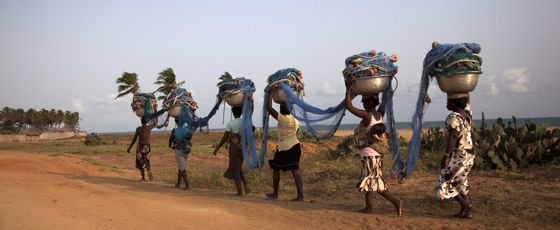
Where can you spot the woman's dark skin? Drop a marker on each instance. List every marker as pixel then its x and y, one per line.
pixel 369 105
pixel 276 173
pixel 365 114
pixel 452 143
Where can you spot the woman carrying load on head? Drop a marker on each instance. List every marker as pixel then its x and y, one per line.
pixel 180 141
pixel 371 177
pixel 233 137
pixel 458 157
pixel 288 151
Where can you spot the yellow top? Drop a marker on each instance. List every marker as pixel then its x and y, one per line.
pixel 287 132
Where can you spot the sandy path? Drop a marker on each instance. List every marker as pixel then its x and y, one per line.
pixel 48 192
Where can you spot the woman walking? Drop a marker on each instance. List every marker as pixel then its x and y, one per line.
pixel 370 180
pixel 288 151
pixel 458 158
pixel 233 137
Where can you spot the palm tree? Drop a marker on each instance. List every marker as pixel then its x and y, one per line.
pixel 128 84
pixel 226 76
pixel 167 80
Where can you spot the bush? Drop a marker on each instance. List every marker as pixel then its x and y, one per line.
pixel 93 139
pixel 344 148
pixel 511 147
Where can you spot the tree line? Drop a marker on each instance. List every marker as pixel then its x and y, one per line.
pixel 17 119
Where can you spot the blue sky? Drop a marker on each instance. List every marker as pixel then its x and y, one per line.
pixel 67 54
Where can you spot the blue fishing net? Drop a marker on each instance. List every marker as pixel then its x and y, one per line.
pixel 321 123
pixel 148 102
pixel 441 59
pixel 370 64
pixel 247 87
pixel 188 118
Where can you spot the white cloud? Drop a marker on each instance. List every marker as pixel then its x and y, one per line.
pixel 517 80
pixel 494 90
pixel 78 104
pixel 511 81
pixel 329 90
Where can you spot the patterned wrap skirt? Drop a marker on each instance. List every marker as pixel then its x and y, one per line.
pixel 235 167
pixel 143 156
pixel 371 179
pixel 452 180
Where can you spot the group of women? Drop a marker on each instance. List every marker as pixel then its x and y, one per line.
pixel 371 140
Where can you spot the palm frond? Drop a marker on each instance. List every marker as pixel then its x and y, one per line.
pixel 123 88
pixel 129 82
pixel 123 93
pixel 226 76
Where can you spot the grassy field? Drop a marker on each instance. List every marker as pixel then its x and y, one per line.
pixel 332 182
pixel 323 177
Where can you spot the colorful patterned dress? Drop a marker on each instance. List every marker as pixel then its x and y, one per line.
pixel 452 180
pixel 372 161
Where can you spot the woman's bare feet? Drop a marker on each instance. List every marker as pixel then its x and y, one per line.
pixel 299 198
pixel 366 210
pixel 272 196
pixel 399 208
pixel 465 213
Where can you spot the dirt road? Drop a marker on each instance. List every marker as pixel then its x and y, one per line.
pixel 61 192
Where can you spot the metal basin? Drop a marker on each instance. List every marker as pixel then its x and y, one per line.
pixel 235 99
pixel 370 85
pixel 280 97
pixel 175 111
pixel 139 112
pixel 457 83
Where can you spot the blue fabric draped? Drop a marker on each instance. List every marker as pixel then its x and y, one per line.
pixel 247 87
pixel 387 106
pixel 321 123
pixel 312 115
pixel 148 102
pixel 251 159
pixel 437 61
pixel 188 119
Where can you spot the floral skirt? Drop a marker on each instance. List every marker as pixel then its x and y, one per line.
pixel 452 180
pixel 143 156
pixel 371 179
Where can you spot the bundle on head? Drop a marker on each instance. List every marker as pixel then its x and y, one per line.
pixel 290 76
pixel 371 71
pixel 233 90
pixel 145 106
pixel 178 97
pixel 448 59
pixel 369 64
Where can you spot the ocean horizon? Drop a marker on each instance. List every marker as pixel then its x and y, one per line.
pixel 548 121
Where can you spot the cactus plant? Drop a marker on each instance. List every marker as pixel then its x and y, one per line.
pixel 515 146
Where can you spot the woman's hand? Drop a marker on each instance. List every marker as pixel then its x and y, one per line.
pixel 272 87
pixel 348 83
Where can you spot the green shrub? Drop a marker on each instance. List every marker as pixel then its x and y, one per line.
pixel 93 139
pixel 511 147
pixel 344 148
